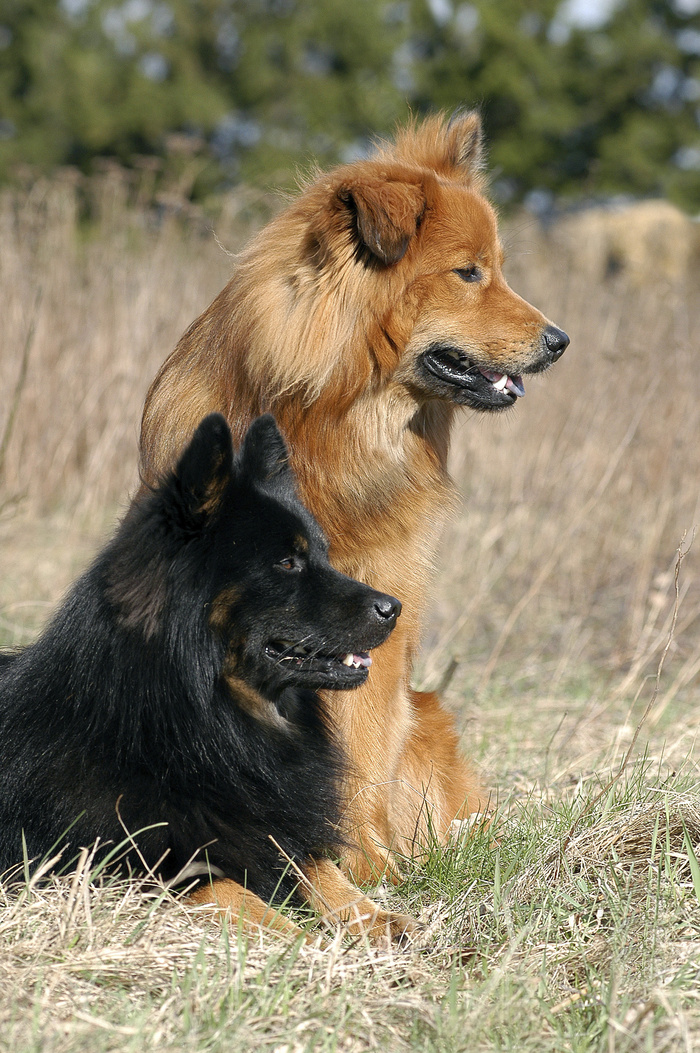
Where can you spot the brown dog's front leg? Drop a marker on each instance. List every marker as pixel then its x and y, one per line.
pixel 326 890
pixel 330 893
pixel 245 907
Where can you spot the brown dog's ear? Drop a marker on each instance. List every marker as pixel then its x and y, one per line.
pixel 451 148
pixel 465 140
pixel 387 214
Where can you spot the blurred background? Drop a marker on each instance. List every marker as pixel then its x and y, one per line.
pixel 142 142
pixel 580 98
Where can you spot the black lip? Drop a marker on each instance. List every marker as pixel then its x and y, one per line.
pixel 459 380
pixel 316 670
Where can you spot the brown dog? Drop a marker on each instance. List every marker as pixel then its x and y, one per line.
pixel 362 317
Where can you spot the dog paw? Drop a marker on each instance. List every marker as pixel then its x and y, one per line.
pixel 402 929
pixel 460 828
pixel 385 928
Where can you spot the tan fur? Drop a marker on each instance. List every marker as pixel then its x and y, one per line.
pixel 245 907
pixel 326 889
pixel 322 323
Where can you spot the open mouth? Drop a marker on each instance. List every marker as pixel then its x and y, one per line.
pixel 452 374
pixel 345 670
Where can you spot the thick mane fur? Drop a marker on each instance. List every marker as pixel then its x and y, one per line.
pixel 306 315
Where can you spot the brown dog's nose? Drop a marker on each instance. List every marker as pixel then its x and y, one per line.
pixel 556 341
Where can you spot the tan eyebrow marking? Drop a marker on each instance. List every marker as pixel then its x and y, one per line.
pixel 301 543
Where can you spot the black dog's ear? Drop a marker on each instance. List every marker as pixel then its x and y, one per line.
pixel 264 455
pixel 204 469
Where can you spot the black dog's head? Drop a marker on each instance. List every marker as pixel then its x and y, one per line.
pixel 236 544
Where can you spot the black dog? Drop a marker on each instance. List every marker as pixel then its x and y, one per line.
pixel 173 696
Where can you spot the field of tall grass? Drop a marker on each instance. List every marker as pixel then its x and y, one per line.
pixel 559 594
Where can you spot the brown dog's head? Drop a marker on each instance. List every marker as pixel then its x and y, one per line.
pixel 376 296
pixel 399 271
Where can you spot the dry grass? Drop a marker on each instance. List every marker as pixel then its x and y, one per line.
pixel 529 950
pixel 95 306
pixel 575 505
pixel 112 969
pixel 578 928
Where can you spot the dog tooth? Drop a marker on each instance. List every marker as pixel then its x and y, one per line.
pixel 348 659
pixel 500 384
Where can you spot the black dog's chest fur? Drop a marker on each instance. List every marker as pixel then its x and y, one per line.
pixel 221 784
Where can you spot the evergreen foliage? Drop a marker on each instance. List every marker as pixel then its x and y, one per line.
pixel 591 98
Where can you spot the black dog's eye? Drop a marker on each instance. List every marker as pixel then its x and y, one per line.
pixel 468 274
pixel 290 563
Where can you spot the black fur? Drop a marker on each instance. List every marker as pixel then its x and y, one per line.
pixel 166 691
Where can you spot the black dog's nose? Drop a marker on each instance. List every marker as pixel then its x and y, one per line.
pixel 387 607
pixel 556 341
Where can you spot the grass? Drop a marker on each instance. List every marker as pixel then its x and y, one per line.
pixel 529 947
pixel 573 923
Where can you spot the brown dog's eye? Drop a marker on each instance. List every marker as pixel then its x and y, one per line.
pixel 469 274
pixel 290 563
